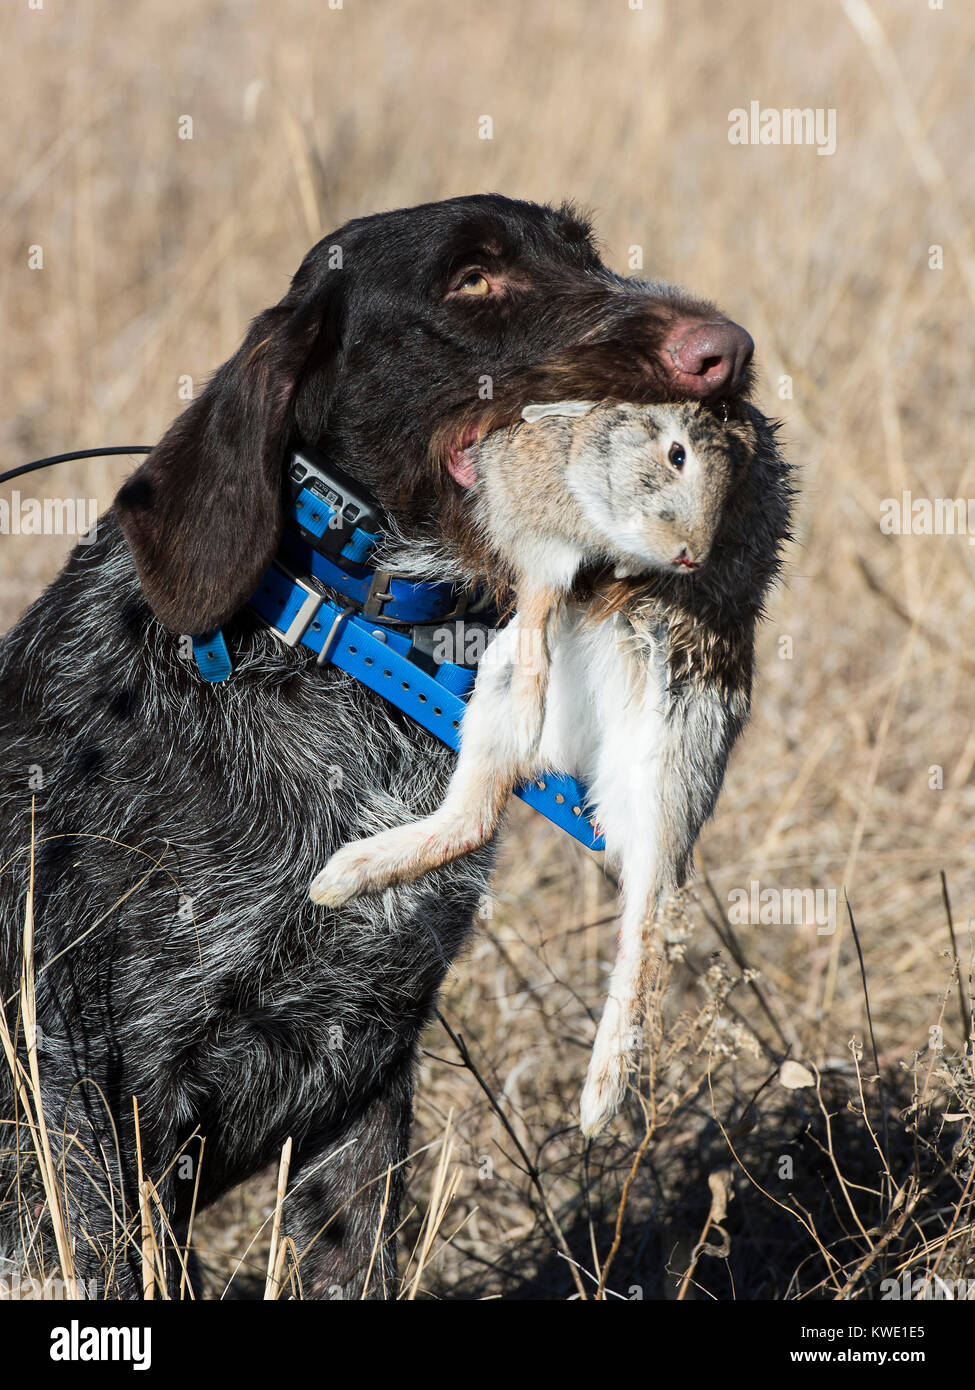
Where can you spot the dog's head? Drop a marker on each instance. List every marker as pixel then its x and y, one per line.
pixel 402 337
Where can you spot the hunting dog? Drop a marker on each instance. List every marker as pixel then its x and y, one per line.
pixel 177 823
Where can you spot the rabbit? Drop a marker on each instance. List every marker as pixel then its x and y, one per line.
pixel 641 542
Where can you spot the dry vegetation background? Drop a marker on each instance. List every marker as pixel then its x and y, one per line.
pixel 156 252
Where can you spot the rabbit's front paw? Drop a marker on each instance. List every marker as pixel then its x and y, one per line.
pixel 351 872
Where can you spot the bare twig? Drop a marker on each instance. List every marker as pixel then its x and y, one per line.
pixel 530 1168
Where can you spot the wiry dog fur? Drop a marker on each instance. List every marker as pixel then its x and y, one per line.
pixel 177 823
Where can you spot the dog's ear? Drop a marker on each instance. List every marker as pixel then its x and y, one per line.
pixel 203 514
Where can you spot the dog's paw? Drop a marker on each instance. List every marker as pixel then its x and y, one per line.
pixel 347 875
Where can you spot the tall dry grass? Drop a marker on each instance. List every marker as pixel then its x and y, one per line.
pixel 857 772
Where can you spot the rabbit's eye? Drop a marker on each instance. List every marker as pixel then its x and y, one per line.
pixel 677 456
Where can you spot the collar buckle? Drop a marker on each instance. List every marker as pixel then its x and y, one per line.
pixel 378 595
pixel 305 616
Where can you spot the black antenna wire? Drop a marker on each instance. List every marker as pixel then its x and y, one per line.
pixel 76 454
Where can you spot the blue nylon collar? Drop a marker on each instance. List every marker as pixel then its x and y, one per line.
pixel 365 637
pixel 408 602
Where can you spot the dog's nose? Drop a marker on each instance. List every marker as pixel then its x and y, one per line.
pixel 707 359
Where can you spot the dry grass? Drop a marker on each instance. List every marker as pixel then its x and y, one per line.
pixel 157 250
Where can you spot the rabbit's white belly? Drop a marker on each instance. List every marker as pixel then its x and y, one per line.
pixel 605 723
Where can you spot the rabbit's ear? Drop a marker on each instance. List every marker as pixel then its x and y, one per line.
pixel 531 413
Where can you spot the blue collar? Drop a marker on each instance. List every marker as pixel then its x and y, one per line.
pixel 375 632
pixel 377 593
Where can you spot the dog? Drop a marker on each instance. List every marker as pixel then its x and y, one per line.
pixel 643 715
pixel 177 822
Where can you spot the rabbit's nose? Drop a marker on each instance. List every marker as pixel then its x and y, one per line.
pixel 684 559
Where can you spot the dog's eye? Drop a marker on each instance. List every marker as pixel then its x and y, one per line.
pixel 474 282
pixel 677 455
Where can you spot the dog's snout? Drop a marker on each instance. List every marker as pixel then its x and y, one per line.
pixel 707 359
